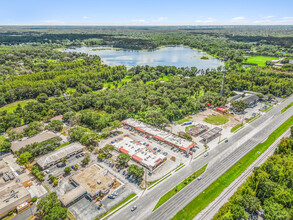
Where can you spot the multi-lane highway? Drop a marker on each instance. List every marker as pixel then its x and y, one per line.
pixel 220 159
pixel 213 207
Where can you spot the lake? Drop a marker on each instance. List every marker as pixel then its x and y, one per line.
pixel 178 56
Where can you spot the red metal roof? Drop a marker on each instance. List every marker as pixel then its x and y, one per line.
pixel 123 122
pixel 221 109
pixel 162 139
pixel 140 130
pixel 123 150
pixel 192 145
pixel 136 158
pixel 137 142
pixel 150 148
pixel 182 148
pixel 158 161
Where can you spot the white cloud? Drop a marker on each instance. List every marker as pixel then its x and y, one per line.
pixel 268 17
pixel 85 17
pixel 287 19
pixel 53 22
pixel 139 21
pixel 240 18
pixel 262 21
pixel 206 21
pixel 150 21
pixel 160 19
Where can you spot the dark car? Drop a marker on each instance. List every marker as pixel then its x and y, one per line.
pixel 133 208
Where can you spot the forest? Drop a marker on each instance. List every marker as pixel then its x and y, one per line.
pixel 34 67
pixel 268 190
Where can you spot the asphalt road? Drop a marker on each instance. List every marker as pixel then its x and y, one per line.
pixel 220 159
pixel 213 207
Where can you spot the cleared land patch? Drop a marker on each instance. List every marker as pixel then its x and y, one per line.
pixel 217 119
pixel 260 60
pixel 12 106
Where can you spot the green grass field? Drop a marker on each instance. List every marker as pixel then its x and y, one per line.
pixel 236 127
pixel 183 120
pixel 267 109
pixel 112 86
pixel 217 119
pixel 165 78
pixel 260 60
pixel 191 126
pixel 213 190
pixel 12 106
pixel 180 186
pixel 287 107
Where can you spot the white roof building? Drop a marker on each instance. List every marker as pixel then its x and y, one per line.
pixel 143 154
pixel 54 157
pixel 159 134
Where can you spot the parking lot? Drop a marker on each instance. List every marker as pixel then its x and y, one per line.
pixel 174 155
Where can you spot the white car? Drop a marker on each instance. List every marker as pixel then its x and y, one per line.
pixel 206 154
pixel 133 208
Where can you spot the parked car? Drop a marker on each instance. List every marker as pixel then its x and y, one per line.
pixel 159 150
pixel 206 154
pixel 133 208
pixel 147 145
pixel 155 148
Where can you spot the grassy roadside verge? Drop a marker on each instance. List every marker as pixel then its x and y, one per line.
pixel 122 204
pixel 252 119
pixel 160 180
pixel 180 167
pixel 287 107
pixel 210 193
pixel 70 215
pixel 180 186
pixel 267 109
pixel 236 127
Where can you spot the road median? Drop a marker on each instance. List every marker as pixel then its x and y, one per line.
pixel 214 190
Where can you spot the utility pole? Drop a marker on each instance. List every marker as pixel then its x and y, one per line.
pixel 223 83
pixel 69 110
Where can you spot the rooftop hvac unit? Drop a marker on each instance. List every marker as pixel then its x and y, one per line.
pixel 11 176
pixel 6 178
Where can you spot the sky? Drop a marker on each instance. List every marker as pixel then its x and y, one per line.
pixel 146 12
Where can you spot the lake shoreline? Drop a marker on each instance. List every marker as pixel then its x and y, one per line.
pixel 169 55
